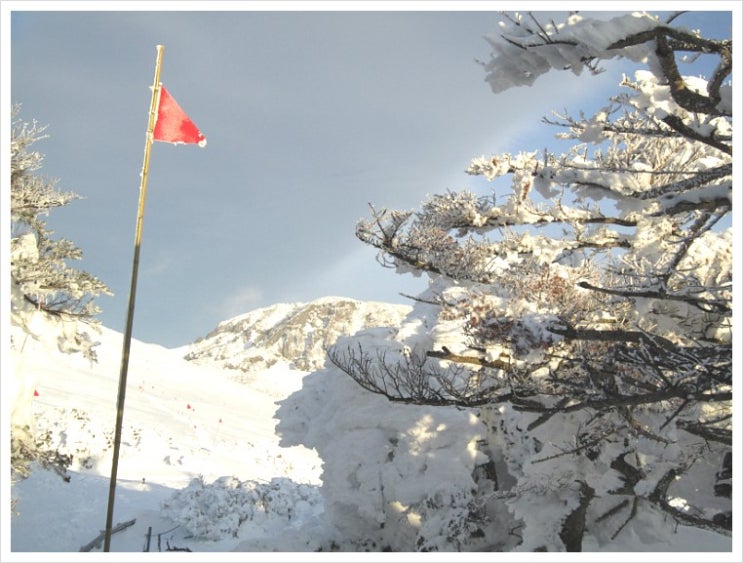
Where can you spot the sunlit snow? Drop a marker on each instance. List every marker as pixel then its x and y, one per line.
pixel 211 464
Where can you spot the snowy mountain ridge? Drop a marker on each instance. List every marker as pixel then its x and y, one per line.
pixel 295 333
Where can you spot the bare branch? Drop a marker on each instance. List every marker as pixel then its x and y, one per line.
pixel 659 496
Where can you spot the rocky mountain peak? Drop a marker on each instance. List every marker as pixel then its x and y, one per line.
pixel 296 333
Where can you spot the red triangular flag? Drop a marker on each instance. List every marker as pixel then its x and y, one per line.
pixel 172 125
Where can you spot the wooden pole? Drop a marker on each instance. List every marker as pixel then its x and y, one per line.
pixel 132 293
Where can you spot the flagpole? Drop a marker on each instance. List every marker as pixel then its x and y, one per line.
pixel 132 293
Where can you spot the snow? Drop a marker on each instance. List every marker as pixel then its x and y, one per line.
pixel 181 423
pixel 214 465
pixel 217 465
pixel 570 45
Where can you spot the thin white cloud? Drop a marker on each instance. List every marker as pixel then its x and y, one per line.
pixel 239 301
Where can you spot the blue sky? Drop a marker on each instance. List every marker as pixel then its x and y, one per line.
pixel 310 116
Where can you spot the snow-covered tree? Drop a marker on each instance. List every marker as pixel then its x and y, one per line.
pixel 585 305
pixel 39 262
pixel 45 290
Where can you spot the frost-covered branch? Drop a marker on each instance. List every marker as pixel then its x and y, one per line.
pixel 584 306
pixel 668 41
pixel 705 305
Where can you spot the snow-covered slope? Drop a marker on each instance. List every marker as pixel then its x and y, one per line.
pixel 221 464
pixel 190 434
pixel 296 333
pixel 288 460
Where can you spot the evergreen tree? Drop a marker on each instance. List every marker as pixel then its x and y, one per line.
pixel 40 273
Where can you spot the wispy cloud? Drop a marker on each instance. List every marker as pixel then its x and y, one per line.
pixel 241 300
